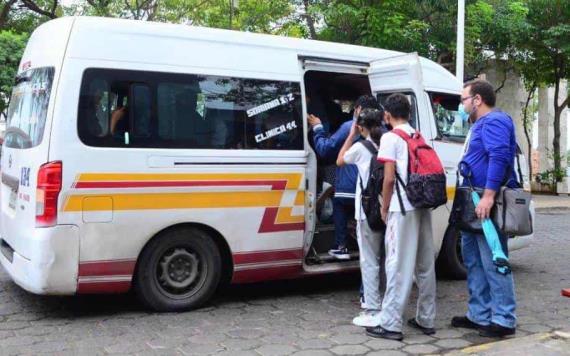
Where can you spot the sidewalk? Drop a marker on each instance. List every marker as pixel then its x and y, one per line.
pixel 547 202
pixel 549 344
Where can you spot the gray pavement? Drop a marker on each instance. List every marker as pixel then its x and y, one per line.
pixel 308 317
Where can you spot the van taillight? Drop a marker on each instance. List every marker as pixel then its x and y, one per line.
pixel 48 188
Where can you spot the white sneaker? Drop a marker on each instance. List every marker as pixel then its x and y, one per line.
pixel 367 319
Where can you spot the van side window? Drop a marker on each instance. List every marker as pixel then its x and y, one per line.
pixel 166 110
pixel 141 110
pixel 414 107
pixel 274 119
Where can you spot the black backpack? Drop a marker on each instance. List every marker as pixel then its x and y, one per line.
pixel 370 194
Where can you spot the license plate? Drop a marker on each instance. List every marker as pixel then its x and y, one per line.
pixel 12 201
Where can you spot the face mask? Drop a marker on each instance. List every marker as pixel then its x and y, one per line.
pixel 388 127
pixel 464 114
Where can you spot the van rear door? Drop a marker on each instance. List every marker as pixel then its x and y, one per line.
pixel 401 73
pixel 24 151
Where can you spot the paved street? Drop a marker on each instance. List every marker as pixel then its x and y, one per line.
pixel 310 317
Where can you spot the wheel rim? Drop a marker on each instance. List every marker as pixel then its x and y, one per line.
pixel 180 272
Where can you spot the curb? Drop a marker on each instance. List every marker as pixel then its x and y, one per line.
pixel 534 344
pixel 552 209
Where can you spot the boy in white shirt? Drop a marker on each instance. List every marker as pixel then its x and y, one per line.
pixel 368 125
pixel 408 241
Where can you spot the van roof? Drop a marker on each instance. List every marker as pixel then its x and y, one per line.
pixel 142 45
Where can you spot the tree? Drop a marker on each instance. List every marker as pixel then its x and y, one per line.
pixel 11 49
pixel 529 110
pixel 545 57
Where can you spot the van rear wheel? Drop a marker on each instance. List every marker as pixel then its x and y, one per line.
pixel 178 270
pixel 449 263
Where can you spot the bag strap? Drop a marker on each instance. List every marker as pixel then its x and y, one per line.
pixel 369 146
pixel 400 200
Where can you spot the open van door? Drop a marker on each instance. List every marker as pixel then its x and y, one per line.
pixel 401 73
pixel 398 73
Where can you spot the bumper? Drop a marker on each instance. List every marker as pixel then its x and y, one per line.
pixel 53 264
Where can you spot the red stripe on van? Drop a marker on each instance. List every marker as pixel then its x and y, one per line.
pixel 268 223
pixel 103 287
pixel 275 184
pixel 107 268
pixel 267 273
pixel 267 256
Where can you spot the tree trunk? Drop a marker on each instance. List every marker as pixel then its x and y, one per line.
pixel 526 128
pixel 5 12
pixel 310 21
pixel 558 109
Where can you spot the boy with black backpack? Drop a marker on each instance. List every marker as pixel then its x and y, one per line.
pixel 370 227
pixel 414 182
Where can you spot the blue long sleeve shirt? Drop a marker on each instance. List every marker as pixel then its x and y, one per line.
pixel 491 152
pixel 327 147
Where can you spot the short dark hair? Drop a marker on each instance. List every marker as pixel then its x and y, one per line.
pixel 398 106
pixel 366 102
pixel 484 89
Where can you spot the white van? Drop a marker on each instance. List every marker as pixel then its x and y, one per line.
pixel 173 159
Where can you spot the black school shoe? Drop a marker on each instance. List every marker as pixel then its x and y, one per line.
pixel 380 332
pixel 464 322
pixel 414 324
pixel 495 330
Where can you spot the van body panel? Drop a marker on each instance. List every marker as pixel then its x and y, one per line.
pixel 21 161
pixel 52 265
pixel 115 199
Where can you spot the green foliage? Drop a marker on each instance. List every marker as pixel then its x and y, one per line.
pixel 11 49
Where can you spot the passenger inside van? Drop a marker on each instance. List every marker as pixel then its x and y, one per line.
pixel 119 121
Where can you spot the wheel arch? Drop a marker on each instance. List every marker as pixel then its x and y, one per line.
pixel 217 237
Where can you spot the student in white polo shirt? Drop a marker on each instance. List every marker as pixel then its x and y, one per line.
pixel 361 153
pixel 408 241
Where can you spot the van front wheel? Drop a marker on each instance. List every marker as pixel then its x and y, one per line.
pixel 449 263
pixel 178 270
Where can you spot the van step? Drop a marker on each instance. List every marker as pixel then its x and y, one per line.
pixel 326 258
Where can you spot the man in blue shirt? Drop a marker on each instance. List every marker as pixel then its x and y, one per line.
pixel 488 161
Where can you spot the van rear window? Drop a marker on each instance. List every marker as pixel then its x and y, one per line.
pixel 27 111
pixel 121 108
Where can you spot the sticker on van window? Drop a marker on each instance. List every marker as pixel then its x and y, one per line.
pixel 283 100
pixel 275 131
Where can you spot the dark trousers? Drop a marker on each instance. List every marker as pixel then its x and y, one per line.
pixel 343 209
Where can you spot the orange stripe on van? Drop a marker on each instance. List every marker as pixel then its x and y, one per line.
pixel 285 216
pixel 293 179
pixel 195 200
pixel 276 218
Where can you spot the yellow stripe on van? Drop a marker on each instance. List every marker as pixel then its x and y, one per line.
pixel 193 200
pixel 293 179
pixel 284 216
pixel 450 193
pixel 300 198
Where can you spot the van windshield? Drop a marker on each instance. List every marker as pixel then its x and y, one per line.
pixel 27 111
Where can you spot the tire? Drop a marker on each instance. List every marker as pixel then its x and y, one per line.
pixel 449 263
pixel 178 270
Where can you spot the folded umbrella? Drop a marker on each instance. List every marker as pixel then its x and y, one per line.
pixel 499 258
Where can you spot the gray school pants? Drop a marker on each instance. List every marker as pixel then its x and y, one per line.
pixel 371 264
pixel 409 253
